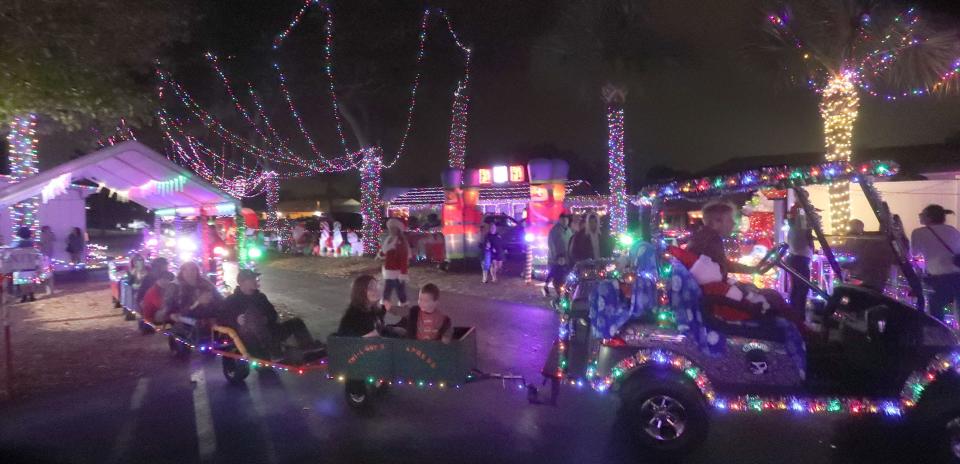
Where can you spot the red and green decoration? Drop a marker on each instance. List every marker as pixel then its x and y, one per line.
pixel 772 177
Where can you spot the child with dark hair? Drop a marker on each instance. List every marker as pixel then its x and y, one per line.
pixel 425 321
pixel 364 315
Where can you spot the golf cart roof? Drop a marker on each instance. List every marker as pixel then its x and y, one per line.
pixel 778 177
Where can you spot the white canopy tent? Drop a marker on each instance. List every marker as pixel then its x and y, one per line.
pixel 131 169
pixel 132 172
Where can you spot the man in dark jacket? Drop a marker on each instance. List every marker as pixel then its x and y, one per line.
pixel 251 313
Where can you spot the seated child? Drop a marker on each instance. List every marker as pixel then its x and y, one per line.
pixel 424 321
pixel 153 299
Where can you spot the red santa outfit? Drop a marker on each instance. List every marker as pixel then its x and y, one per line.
pixel 709 275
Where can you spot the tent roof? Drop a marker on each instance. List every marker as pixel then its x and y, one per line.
pixel 126 166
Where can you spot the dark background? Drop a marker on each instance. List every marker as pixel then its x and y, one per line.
pixel 709 104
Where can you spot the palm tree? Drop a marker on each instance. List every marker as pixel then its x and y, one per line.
pixel 844 48
pixel 612 40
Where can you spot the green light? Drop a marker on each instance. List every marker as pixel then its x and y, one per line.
pixel 617 373
pixel 254 253
pixel 625 240
pixel 370 379
pixel 834 405
pixel 917 389
pixel 755 404
pixel 692 372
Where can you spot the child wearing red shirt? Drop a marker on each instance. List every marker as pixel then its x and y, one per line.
pixel 153 299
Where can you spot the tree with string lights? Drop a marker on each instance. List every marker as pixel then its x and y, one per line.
pixel 77 63
pixel 613 41
pixel 365 95
pixel 842 49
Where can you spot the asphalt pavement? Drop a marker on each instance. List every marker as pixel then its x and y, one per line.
pixel 186 412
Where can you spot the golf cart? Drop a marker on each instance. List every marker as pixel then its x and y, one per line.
pixel 644 328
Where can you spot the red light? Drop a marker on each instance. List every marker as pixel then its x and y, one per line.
pixel 615 342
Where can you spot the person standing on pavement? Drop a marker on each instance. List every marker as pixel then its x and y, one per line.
pixel 585 242
pixel 558 242
pixel 939 244
pixel 76 243
pixel 26 289
pixel 872 257
pixel 395 252
pixel 492 249
pixel 800 243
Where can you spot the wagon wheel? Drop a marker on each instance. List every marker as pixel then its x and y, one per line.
pixel 235 370
pixel 180 351
pixel 357 395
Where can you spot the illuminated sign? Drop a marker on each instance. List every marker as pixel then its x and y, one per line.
pixel 517 173
pixel 500 174
pixel 483 176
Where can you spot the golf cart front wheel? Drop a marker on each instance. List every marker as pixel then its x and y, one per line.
pixel 356 394
pixel 665 418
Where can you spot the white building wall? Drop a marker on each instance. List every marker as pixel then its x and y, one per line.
pixel 905 198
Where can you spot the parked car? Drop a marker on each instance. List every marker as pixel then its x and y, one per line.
pixel 511 232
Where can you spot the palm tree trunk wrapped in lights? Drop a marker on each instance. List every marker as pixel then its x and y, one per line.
pixel 615 96
pixel 841 49
pixel 839 104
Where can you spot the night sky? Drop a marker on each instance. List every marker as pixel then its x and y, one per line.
pixel 705 105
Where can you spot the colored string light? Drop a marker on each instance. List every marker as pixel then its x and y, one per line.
pixel 421 52
pixel 615 158
pixel 870 61
pixel 461 106
pixel 839 104
pixel 770 177
pixel 22 141
pixel 371 205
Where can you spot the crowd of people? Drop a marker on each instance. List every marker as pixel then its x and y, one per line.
pixel 573 238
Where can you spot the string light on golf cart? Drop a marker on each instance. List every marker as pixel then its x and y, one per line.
pixel 782 176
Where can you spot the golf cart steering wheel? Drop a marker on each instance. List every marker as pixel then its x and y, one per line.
pixel 772 258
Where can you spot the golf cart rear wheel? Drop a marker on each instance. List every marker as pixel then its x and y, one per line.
pixel 235 371
pixel 665 416
pixel 356 394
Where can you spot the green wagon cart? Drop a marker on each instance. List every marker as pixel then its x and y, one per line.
pixel 367 365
